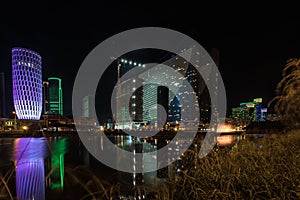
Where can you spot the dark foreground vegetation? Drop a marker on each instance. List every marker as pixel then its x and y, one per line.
pixel 264 168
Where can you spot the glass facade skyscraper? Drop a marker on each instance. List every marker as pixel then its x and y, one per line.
pixel 128 116
pixel 45 97
pixel 55 96
pixel 145 102
pixel 86 106
pixel 250 111
pixel 27 83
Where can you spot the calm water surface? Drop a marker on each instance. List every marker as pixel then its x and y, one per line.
pixel 55 167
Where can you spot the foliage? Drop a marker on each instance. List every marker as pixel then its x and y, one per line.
pixel 288 95
pixel 265 168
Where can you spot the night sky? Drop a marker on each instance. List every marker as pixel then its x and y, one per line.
pixel 254 44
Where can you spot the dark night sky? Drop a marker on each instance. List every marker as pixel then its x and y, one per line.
pixel 254 44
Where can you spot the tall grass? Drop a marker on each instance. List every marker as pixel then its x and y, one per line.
pixel 267 168
pixel 5 191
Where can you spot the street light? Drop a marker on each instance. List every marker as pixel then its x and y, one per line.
pixel 25 128
pixel 15 121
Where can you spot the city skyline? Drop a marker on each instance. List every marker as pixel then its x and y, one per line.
pixel 149 100
pixel 252 54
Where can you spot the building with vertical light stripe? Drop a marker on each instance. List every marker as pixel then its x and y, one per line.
pixel 128 116
pixel 55 96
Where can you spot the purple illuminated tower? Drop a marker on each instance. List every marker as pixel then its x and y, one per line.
pixel 27 83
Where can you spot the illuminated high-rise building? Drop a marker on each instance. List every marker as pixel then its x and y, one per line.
pixel 175 80
pixel 163 101
pixel 27 83
pixel 190 99
pixel 55 96
pixel 264 114
pixel 250 111
pixel 2 96
pixel 149 103
pixel 174 113
pixel 206 107
pixel 128 116
pixel 45 97
pixel 86 106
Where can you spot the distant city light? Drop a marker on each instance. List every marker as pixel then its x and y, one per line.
pixel 224 140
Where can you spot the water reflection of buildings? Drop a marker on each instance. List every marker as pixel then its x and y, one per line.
pixel 57 163
pixel 128 143
pixel 148 180
pixel 30 172
pixel 30 166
